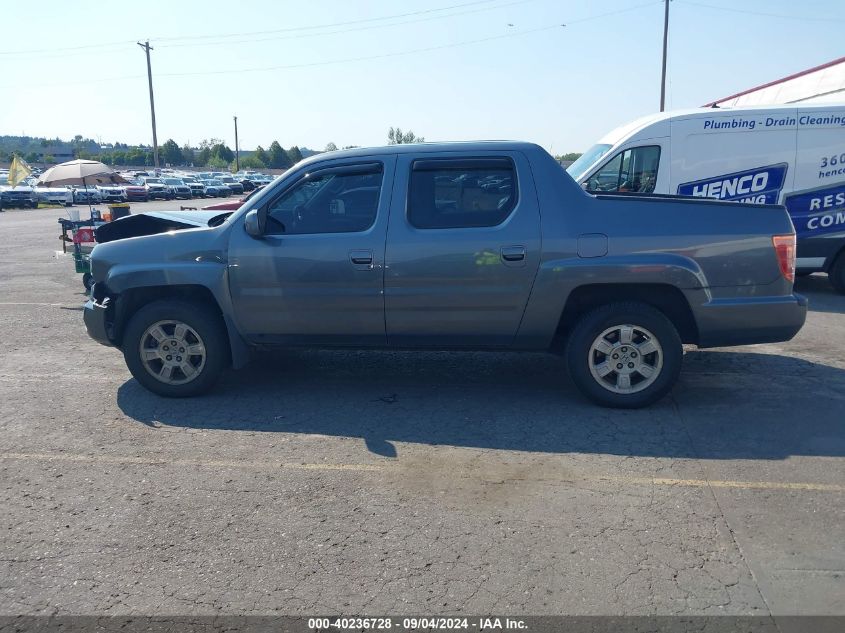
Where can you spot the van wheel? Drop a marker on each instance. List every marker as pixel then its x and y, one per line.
pixel 837 274
pixel 624 355
pixel 176 348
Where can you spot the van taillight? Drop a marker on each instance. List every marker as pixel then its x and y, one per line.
pixel 785 249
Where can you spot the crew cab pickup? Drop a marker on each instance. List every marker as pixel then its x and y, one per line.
pixel 459 246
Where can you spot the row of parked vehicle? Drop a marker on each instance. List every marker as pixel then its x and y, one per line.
pixel 142 186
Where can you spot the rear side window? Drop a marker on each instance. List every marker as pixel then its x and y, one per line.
pixel 631 171
pixel 461 193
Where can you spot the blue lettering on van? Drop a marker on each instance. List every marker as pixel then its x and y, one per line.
pixel 760 186
pixel 818 211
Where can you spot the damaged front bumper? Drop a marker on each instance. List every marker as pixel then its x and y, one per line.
pixel 96 319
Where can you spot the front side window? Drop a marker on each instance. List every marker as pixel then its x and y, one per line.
pixel 331 202
pixel 631 171
pixel 458 193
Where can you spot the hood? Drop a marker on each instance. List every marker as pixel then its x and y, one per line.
pixel 155 222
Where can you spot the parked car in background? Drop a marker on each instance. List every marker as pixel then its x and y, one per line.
pixel 22 195
pixel 112 193
pixel 246 183
pixel 234 186
pixel 54 195
pixel 216 189
pixel 88 194
pixel 231 205
pixel 196 186
pixel 136 193
pixel 156 189
pixel 178 188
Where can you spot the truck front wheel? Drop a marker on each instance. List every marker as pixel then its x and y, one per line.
pixel 624 355
pixel 176 348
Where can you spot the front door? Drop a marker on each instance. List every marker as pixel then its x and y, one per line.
pixel 316 277
pixel 462 251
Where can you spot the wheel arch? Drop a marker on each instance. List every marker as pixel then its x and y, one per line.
pixel 130 300
pixel 666 298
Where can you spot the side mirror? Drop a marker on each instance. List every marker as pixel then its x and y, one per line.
pixel 585 185
pixel 252 225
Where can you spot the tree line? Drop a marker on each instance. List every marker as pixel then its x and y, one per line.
pixel 213 153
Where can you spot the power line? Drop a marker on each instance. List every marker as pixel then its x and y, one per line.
pixel 362 58
pixel 510 34
pixel 245 34
pixel 297 36
pixel 324 26
pixel 765 14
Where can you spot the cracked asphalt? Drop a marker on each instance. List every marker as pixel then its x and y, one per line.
pixel 401 483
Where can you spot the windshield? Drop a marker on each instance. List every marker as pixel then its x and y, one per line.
pixel 580 166
pixel 156 181
pixel 173 181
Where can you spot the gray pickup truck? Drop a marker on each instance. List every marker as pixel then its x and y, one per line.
pixel 460 246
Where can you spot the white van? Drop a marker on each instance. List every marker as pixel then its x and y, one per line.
pixel 790 154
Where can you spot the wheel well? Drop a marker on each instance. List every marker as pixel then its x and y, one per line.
pixel 839 255
pixel 668 299
pixel 132 300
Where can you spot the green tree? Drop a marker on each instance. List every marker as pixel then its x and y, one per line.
pixel 187 155
pixel 251 162
pixel 49 158
pixel 171 153
pixel 395 136
pixel 203 156
pixel 570 156
pixel 31 157
pixel 216 162
pixel 222 152
pixel 279 158
pixel 294 154
pixel 330 147
pixel 262 157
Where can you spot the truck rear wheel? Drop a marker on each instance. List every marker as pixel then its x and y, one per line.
pixel 176 348
pixel 624 355
pixel 837 274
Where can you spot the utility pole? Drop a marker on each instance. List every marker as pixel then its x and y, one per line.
pixel 665 46
pixel 237 152
pixel 147 48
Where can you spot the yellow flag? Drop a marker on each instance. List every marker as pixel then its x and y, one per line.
pixel 18 171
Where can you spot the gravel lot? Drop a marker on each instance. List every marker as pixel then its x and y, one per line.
pixel 373 482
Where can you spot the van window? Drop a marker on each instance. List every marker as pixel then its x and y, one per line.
pixel 631 171
pixel 461 193
pixel 587 159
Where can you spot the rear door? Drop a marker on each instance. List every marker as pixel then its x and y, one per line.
pixel 463 247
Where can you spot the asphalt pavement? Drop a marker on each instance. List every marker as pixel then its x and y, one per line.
pixel 425 483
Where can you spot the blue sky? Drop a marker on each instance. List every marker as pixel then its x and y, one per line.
pixel 448 69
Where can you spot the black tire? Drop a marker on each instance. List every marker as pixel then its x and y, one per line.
pixel 837 274
pixel 205 322
pixel 87 280
pixel 580 354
